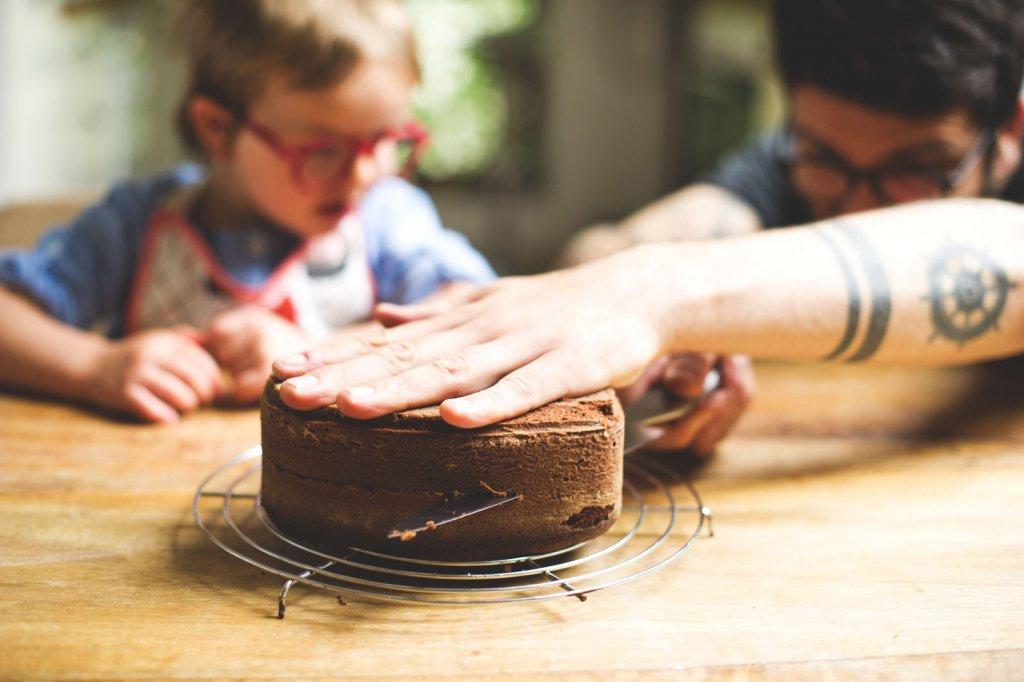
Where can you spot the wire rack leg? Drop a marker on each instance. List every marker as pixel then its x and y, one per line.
pixel 288 586
pixel 709 517
pixel 562 582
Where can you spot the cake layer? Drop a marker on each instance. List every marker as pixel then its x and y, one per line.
pixel 337 482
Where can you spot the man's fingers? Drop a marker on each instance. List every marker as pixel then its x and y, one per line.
pixel 308 361
pixel 550 377
pixel 321 386
pixel 739 384
pixel 651 375
pixel 452 296
pixel 148 406
pixel 738 371
pixel 392 314
pixel 448 376
pixel 684 374
pixel 712 434
pixel 681 433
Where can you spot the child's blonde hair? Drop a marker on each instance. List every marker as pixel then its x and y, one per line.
pixel 233 46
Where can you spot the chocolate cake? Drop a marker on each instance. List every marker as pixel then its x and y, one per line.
pixel 335 482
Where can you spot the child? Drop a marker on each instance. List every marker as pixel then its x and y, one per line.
pixel 293 228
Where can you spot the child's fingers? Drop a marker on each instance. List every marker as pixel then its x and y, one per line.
pixel 232 351
pixel 148 406
pixel 196 336
pixel 198 370
pixel 227 327
pixel 171 389
pixel 249 385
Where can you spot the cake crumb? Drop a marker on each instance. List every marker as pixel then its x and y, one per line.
pixel 431 525
pixel 496 493
pixel 407 535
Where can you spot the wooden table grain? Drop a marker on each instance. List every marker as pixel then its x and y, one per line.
pixel 869 522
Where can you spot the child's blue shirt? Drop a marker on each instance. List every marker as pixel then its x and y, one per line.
pixel 82 273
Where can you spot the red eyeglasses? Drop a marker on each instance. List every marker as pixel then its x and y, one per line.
pixel 329 160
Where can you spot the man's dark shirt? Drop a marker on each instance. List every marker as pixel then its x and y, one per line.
pixel 759 175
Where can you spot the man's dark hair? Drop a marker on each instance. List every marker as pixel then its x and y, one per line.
pixel 917 58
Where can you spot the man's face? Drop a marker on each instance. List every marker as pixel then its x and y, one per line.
pixel 831 130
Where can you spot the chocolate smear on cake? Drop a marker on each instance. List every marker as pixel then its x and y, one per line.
pixel 588 517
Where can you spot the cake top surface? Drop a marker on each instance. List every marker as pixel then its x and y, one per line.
pixel 593 411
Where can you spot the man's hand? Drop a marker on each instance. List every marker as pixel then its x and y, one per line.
pixel 710 421
pixel 246 341
pixel 156 375
pixel 444 299
pixel 514 345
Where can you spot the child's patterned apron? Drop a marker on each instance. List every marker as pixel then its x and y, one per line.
pixel 325 284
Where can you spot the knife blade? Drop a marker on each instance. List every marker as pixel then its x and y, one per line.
pixel 452 509
pixel 646 420
pixel 648 417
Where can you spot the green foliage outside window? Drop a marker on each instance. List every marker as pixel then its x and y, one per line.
pixel 462 99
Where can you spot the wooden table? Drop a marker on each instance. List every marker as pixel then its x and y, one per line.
pixel 867 522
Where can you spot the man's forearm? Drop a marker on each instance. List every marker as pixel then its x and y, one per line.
pixel 931 283
pixel 697 212
pixel 694 213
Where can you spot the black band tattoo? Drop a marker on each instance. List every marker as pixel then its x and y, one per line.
pixel 853 310
pixel 967 291
pixel 881 297
pixel 879 300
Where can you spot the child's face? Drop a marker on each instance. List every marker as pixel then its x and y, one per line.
pixel 373 99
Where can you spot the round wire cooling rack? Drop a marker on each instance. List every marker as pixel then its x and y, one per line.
pixel 653 529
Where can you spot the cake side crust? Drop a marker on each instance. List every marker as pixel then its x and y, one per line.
pixel 336 481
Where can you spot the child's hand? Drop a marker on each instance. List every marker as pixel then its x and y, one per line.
pixel 156 375
pixel 246 341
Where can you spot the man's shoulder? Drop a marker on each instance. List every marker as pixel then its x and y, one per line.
pixel 1014 190
pixel 758 174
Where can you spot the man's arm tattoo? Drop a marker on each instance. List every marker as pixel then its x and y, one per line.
pixel 879 295
pixel 967 291
pixel 853 310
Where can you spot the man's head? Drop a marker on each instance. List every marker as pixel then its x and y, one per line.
pixel 902 95
pixel 271 80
